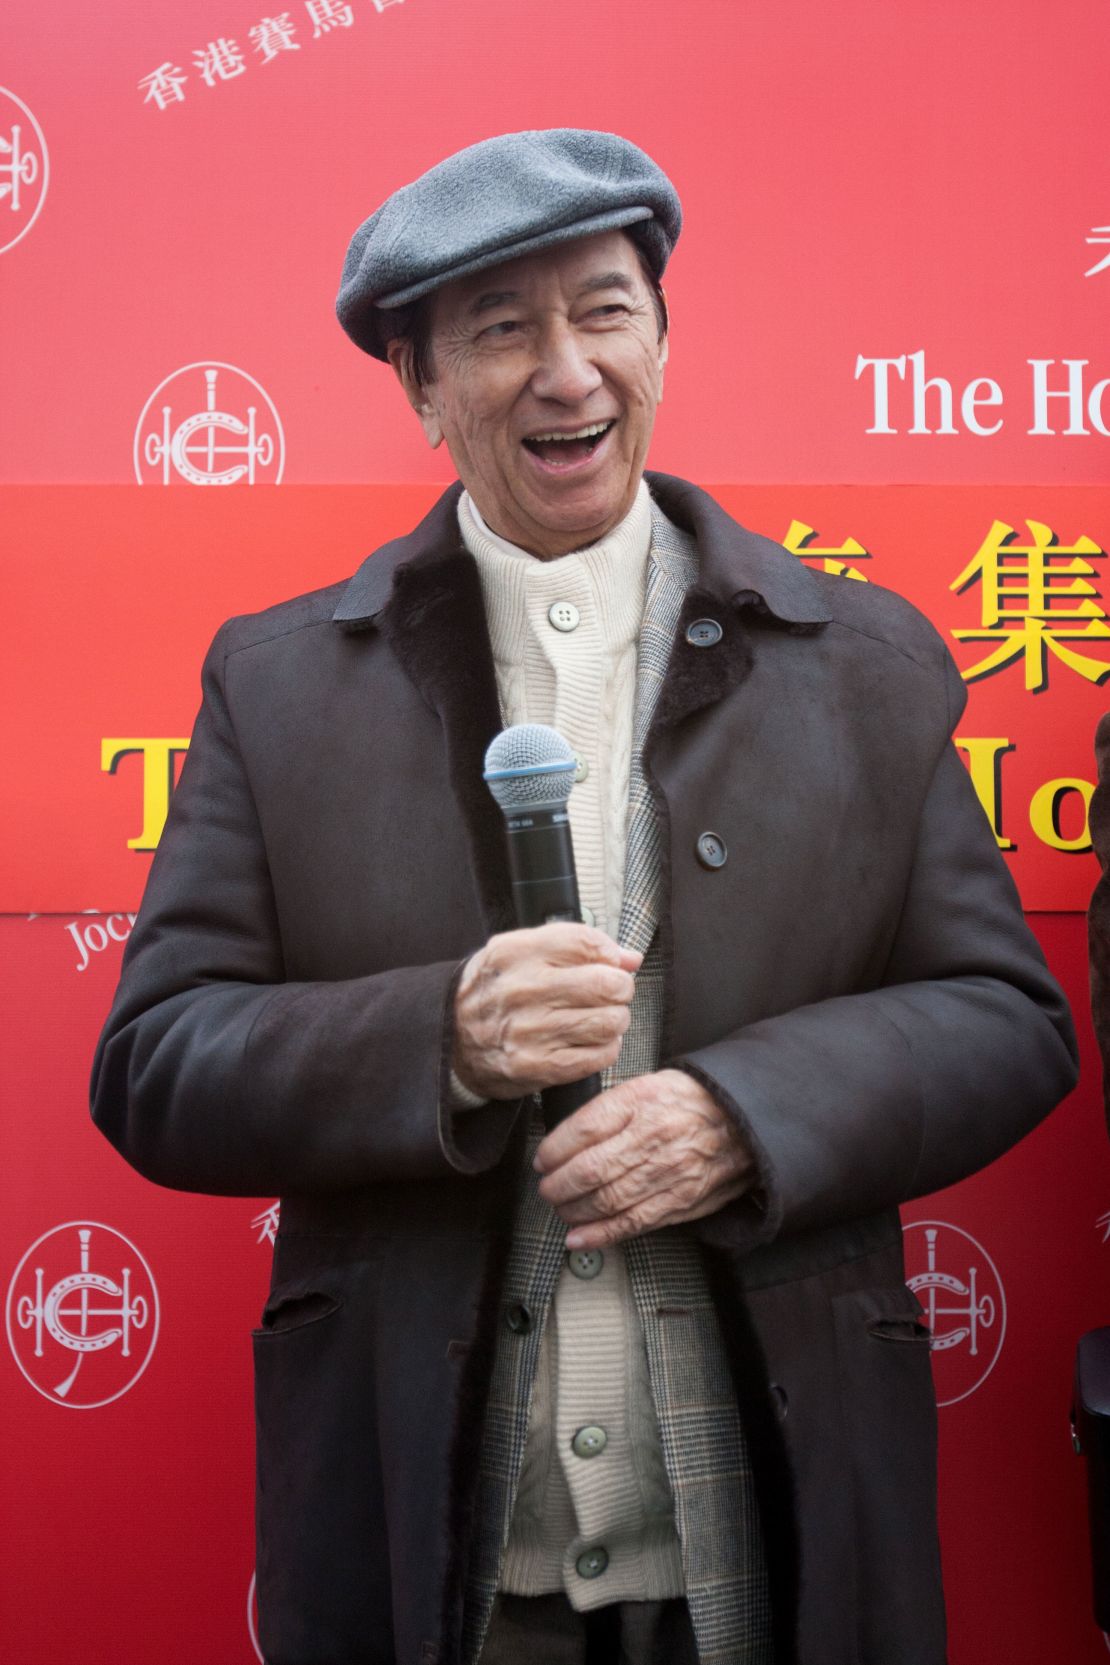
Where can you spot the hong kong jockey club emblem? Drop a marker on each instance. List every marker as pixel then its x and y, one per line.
pixel 82 1315
pixel 958 1285
pixel 209 425
pixel 24 170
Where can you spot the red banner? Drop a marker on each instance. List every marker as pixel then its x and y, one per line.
pixel 122 589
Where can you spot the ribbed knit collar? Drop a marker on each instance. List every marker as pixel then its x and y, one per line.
pixel 610 574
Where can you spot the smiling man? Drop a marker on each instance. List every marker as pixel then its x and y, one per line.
pixel 648 1388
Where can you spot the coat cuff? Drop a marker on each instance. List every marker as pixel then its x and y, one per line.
pixel 473 1132
pixel 748 1220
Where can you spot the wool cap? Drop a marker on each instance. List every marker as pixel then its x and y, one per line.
pixel 494 201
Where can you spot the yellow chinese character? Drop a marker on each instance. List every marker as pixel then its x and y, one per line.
pixel 1034 599
pixel 799 541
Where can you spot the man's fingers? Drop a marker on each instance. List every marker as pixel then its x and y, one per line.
pixel 559 1039
pixel 533 984
pixel 536 1008
pixel 623 1188
pixel 650 1214
pixel 652 1149
pixel 595 1176
pixel 601 1119
pixel 568 944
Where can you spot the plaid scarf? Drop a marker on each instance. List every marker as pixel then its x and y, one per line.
pixel 704 1447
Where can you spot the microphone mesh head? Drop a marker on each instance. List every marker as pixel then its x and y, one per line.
pixel 529 765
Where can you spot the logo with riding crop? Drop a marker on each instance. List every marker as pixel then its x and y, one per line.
pixel 24 170
pixel 958 1285
pixel 209 424
pixel 82 1315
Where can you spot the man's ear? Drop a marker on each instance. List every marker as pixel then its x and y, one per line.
pixel 399 353
pixel 664 349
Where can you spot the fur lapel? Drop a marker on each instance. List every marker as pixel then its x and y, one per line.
pixel 744 582
pixel 699 676
pixel 436 625
pixel 424 595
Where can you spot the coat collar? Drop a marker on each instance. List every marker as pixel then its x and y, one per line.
pixel 435 537
pixel 740 567
pixel 737 567
pixel 423 593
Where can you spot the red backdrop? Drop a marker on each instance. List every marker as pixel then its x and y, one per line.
pixel 889 351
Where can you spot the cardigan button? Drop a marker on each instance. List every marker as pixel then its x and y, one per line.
pixel 712 850
pixel 581 768
pixel 564 615
pixel 585 1263
pixel 704 633
pixel 518 1318
pixel 589 1441
pixel 592 1563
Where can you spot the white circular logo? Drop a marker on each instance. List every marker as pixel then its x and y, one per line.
pixel 225 431
pixel 82 1315
pixel 958 1284
pixel 24 170
pixel 252 1615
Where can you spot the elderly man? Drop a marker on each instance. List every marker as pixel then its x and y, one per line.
pixel 647 1387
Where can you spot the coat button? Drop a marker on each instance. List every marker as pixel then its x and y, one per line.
pixel 564 615
pixel 518 1318
pixel 592 1563
pixel 589 1441
pixel 704 633
pixel 780 1401
pixel 712 850
pixel 585 1263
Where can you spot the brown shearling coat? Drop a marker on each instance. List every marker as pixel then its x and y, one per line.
pixel 856 985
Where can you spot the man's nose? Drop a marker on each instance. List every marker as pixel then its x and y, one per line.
pixel 565 369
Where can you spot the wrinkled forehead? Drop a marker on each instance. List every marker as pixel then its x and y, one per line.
pixel 586 265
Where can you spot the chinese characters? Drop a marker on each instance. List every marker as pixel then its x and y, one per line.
pixel 223 59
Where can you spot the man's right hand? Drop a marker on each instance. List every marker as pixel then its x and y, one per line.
pixel 541 1006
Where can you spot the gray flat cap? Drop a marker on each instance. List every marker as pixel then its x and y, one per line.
pixel 491 202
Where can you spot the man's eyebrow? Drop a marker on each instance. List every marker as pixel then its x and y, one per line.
pixel 491 298
pixel 608 280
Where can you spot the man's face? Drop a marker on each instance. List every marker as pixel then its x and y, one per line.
pixel 546 374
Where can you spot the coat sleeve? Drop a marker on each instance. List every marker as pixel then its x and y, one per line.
pixel 214 1073
pixel 856 1104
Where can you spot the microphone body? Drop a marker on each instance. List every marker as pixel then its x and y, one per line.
pixel 530 771
pixel 541 861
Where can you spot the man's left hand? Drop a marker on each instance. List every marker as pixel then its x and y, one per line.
pixel 650 1152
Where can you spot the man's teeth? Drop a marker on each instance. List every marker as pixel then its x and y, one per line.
pixel 580 433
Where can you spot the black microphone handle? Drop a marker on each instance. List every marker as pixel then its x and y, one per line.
pixel 545 890
pixel 562 1101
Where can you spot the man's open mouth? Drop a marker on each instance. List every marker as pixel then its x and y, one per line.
pixel 570 447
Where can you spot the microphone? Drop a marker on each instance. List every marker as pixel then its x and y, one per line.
pixel 530 768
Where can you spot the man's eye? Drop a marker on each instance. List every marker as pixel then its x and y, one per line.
pixel 503 327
